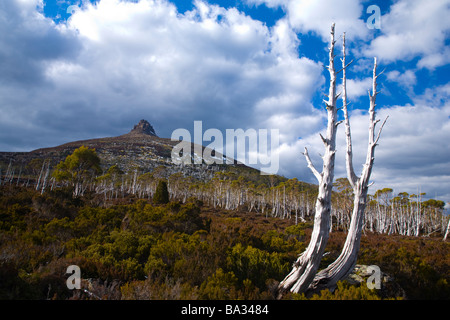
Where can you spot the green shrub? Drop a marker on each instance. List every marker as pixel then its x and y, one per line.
pixel 161 195
pixel 256 265
pixel 220 286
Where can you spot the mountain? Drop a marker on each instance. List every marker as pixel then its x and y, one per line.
pixel 140 148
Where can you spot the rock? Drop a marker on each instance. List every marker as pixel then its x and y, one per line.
pixel 144 127
pixel 389 287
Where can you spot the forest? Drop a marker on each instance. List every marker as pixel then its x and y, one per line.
pixel 150 235
pixel 230 188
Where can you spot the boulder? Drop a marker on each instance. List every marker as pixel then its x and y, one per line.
pixel 389 287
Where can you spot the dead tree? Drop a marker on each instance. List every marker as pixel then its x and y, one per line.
pixel 305 268
pixel 346 261
pixel 446 232
pixel 47 174
pixel 40 175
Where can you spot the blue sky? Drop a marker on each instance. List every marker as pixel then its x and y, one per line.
pixel 98 70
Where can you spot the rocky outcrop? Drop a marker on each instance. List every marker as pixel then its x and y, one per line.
pixel 143 127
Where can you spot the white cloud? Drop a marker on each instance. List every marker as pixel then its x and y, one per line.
pixel 413 28
pixel 116 62
pixel 406 79
pixel 434 60
pixel 284 39
pixel 357 88
pixel 412 153
pixel 412 148
pixel 122 61
pixel 317 16
pixel 268 3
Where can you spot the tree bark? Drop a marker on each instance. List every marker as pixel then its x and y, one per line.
pixel 346 261
pixel 304 269
pixel 446 232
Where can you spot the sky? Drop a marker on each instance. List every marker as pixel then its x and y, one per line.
pixel 73 70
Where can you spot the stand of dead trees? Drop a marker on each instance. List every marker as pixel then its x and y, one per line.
pixel 386 213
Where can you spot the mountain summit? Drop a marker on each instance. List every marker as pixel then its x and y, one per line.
pixel 143 127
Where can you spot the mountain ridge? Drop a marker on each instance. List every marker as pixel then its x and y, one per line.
pixel 140 148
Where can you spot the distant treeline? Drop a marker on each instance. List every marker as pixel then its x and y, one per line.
pixel 232 187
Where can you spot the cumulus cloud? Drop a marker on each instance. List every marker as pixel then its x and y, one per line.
pixel 29 41
pixel 412 149
pixel 114 62
pixel 358 87
pixel 268 3
pixel 433 60
pixel 412 153
pixel 412 28
pixel 406 79
pixel 408 30
pixel 317 16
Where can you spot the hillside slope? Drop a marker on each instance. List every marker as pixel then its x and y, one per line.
pixel 139 149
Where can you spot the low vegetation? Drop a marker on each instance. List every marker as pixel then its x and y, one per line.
pixel 235 236
pixel 134 249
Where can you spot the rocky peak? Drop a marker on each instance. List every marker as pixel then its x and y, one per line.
pixel 143 127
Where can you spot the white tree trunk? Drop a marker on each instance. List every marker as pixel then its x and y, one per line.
pixel 346 261
pixel 40 176
pixel 305 268
pixel 47 174
pixel 446 232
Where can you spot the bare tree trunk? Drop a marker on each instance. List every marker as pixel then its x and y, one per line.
pixel 40 175
pixel 8 171
pixel 18 178
pixel 346 261
pixel 446 232
pixel 305 268
pixel 47 173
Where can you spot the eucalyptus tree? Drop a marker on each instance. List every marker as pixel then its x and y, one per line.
pixel 306 265
pixel 109 183
pixel 345 263
pixel 78 169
